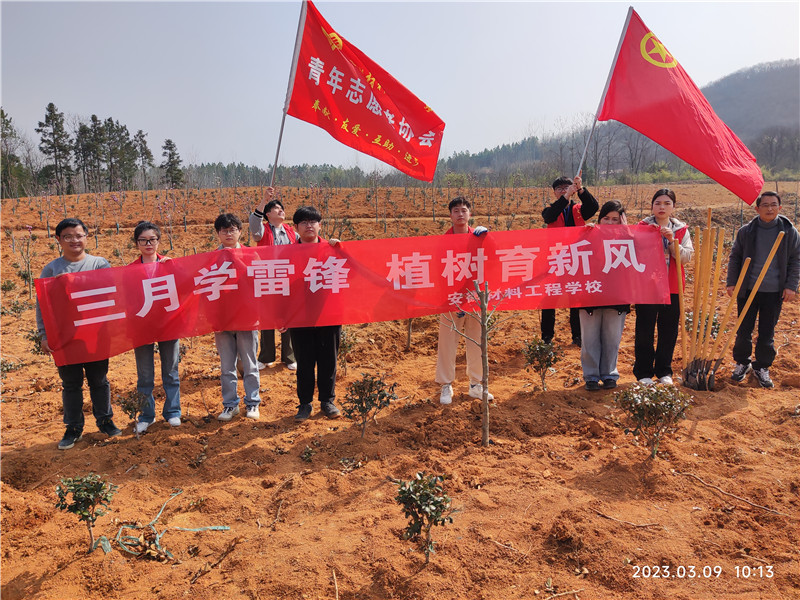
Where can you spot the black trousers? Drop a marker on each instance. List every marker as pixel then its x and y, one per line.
pixel 664 318
pixel 316 347
pixel 549 323
pixel 266 353
pixel 767 307
pixel 72 392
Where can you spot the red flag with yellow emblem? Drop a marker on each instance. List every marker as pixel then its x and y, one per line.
pixel 649 91
pixel 338 88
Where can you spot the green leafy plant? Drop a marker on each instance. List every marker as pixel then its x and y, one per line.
pixel 652 410
pixel 33 337
pixel 15 307
pixel 541 356
pixel 8 285
pixel 132 404
pixel 426 505
pixel 91 495
pixel 366 398
pixel 307 455
pixel 347 343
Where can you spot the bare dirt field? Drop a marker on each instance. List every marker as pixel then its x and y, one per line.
pixel 562 504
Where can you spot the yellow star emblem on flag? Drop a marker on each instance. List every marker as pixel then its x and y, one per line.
pixel 654 52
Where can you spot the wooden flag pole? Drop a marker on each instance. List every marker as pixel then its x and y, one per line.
pixel 695 294
pixel 728 311
pixel 677 247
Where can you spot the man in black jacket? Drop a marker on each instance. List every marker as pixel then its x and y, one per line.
pixel 565 212
pixel 755 240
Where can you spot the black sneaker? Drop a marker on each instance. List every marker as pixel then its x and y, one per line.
pixel 576 341
pixel 762 376
pixel 70 437
pixel 548 340
pixel 329 410
pixel 303 413
pixel 609 384
pixel 740 371
pixel 109 428
pixel 592 386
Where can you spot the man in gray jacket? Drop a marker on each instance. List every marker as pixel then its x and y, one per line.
pixel 755 240
pixel 71 235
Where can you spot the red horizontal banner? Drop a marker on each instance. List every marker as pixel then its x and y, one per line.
pixel 96 314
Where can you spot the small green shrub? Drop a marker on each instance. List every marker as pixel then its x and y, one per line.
pixel 366 398
pixel 426 505
pixel 541 356
pixel 307 455
pixel 33 337
pixel 91 495
pixel 347 343
pixel 8 285
pixel 132 404
pixel 15 307
pixel 652 410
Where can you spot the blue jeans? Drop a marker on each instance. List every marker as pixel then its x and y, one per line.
pixel 72 392
pixel 229 345
pixel 169 353
pixel 601 333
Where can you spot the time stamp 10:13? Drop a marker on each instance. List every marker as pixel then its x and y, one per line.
pixel 700 572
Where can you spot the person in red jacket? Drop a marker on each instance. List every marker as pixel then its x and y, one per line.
pixel 565 212
pixel 649 362
pixel 275 233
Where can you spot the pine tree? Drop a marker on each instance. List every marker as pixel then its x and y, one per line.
pixel 56 144
pixel 172 165
pixel 145 156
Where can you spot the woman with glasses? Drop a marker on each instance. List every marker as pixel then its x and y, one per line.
pixel 146 236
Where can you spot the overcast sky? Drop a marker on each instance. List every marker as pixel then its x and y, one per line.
pixel 212 76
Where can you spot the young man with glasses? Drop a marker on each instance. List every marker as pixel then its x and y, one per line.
pixel 565 212
pixel 316 348
pixel 71 235
pixel 755 240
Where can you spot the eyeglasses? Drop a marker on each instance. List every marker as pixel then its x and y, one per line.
pixel 229 231
pixel 562 188
pixel 762 205
pixel 308 223
pixel 73 238
pixel 147 241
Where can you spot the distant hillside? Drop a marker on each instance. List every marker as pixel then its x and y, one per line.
pixel 761 104
pixel 761 97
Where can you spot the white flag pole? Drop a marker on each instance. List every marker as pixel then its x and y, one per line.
pixel 608 83
pixel 297 43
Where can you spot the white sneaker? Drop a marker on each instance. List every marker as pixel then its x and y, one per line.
pixel 647 381
pixel 476 391
pixel 228 413
pixel 142 426
pixel 252 412
pixel 174 421
pixel 446 396
pixel 666 379
pixel 292 366
pixel 261 366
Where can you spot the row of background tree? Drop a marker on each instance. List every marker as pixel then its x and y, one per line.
pixel 761 104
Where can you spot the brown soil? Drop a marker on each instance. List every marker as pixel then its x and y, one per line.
pixel 561 500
